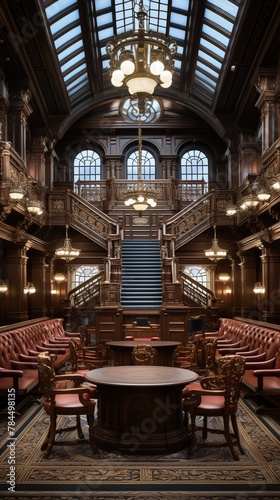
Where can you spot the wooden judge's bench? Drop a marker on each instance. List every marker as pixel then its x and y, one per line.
pixel 146 330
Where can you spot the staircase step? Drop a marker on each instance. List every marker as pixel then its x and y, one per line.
pixel 141 274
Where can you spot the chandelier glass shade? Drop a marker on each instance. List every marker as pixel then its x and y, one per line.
pixel 258 288
pixel 141 59
pixel 29 289
pixel 3 287
pixel 140 197
pixel 215 253
pixel 16 193
pixel 67 252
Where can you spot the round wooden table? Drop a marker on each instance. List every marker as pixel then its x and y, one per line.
pixel 121 350
pixel 140 408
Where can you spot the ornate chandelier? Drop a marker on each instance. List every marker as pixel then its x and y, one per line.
pixel 140 197
pixel 141 59
pixel 215 252
pixel 67 252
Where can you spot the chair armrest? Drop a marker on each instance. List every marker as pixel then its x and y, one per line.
pixel 269 363
pixel 62 341
pixel 50 349
pixel 71 334
pixel 75 377
pixel 227 344
pixel 25 357
pixel 234 350
pixel 24 365
pixel 254 352
pixel 81 391
pixel 261 374
pixel 5 372
pixel 255 357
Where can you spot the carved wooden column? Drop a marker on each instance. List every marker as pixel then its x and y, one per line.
pixel 236 292
pixel 19 112
pixel 4 107
pixel 16 281
pixel 270 301
pixel 267 104
pixel 37 275
pixel 36 158
pixel 5 172
pixel 249 307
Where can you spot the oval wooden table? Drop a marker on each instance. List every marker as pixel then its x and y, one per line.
pixel 140 408
pixel 121 350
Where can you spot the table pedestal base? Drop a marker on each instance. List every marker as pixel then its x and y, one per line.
pixel 140 420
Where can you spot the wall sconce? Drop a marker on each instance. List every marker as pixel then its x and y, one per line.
pixel 16 193
pixel 29 289
pixel 258 288
pixel 232 209
pixel 59 277
pixel 275 183
pixel 224 277
pixel 228 290
pixel 3 287
pixel 33 206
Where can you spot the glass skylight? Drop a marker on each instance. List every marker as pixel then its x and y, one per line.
pixel 72 40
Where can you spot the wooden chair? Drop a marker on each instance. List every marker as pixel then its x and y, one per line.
pixel 184 356
pixel 217 396
pixel 65 395
pixel 143 354
pixel 81 361
pixel 206 355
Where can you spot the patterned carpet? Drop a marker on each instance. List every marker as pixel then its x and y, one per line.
pixel 75 472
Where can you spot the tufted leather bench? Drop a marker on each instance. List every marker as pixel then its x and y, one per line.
pixel 19 348
pixel 259 343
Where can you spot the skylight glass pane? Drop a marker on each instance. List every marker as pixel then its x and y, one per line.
pixel 208 69
pixel 74 72
pixel 72 62
pixel 77 81
pixel 219 20
pixel 178 19
pixel 57 7
pixel 226 6
pixel 176 33
pixel 178 4
pixel 104 34
pixel 215 34
pixel 209 59
pixel 76 89
pixel 177 64
pixel 104 19
pixel 102 4
pixel 212 48
pixel 205 78
pixel 69 50
pixel 209 87
pixel 68 19
pixel 75 32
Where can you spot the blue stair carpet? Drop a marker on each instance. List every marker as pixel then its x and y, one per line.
pixel 141 274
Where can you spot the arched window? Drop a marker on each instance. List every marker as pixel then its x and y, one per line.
pixel 148 168
pixel 199 274
pixel 195 166
pixel 87 166
pixel 84 273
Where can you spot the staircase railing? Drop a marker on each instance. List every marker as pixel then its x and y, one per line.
pixel 84 296
pixel 175 193
pixel 197 217
pixel 199 295
pixel 82 215
pixel 195 291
